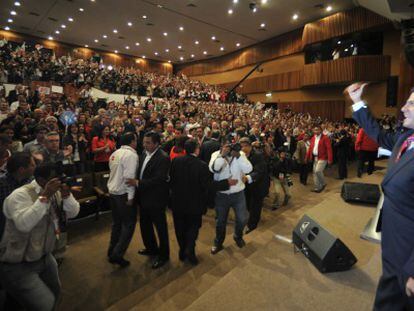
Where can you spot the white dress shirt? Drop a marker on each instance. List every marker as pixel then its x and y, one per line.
pixel 148 157
pixel 123 164
pixel 25 214
pixel 234 168
pixel 315 147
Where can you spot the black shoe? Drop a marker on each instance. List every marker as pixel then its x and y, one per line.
pixel 192 258
pixel 159 262
pixel 119 261
pixel 316 190
pixel 216 248
pixel 240 242
pixel 181 255
pixel 323 188
pixel 248 230
pixel 340 178
pixel 145 252
pixel 286 199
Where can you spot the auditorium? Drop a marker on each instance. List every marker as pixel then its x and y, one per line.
pixel 206 155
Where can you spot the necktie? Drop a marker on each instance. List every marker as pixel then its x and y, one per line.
pixel 404 147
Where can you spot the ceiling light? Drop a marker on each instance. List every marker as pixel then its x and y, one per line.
pixel 235 1
pixel 295 16
pixel 63 26
pixel 253 6
pixel 181 28
pixel 181 58
pixel 169 61
pixel 156 53
pixel 127 47
pixel 92 0
pixel 137 43
pixel 237 44
pixel 7 28
pixel 13 13
pixel 110 67
pixel 262 25
pixel 50 38
pixel 86 46
pixel 180 47
pixel 196 42
pixel 205 52
pixel 160 6
pixel 346 50
pixel 96 40
pixel 230 11
pixel 70 19
pixel 213 38
pixel 339 42
pixel 10 20
pixel 144 16
pixel 328 8
pixel 57 32
pixel 165 34
pixel 192 55
pixel 264 1
pixel 254 10
pixel 149 39
pixel 129 24
pixel 81 9
pixel 352 45
pixel 104 36
pixel 143 56
pixel 269 94
pixel 17 3
pixel 222 48
pixel 116 52
pixel 167 50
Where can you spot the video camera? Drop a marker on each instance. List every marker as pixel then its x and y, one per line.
pixel 235 147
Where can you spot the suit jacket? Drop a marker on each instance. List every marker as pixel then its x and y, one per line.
pixel 300 153
pixel 190 182
pixel 398 209
pixel 208 148
pixel 153 191
pixel 364 142
pixel 260 175
pixel 324 149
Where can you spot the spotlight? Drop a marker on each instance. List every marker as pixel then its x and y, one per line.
pixel 10 20
pixel 7 28
pixel 70 19
pixel 13 13
pixel 328 8
pixel 230 11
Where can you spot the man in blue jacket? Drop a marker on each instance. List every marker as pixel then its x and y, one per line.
pixel 396 287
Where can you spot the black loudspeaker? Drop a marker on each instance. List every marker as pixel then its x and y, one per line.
pixel 392 91
pixel 408 39
pixel 326 252
pixel 360 193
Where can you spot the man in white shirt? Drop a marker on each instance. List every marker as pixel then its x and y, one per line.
pixel 123 165
pixel 34 215
pixel 230 162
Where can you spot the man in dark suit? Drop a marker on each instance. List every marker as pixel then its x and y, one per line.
pixel 210 146
pixel 190 182
pixel 152 195
pixel 257 183
pixel 396 286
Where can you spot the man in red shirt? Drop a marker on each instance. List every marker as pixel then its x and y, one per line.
pixel 367 150
pixel 320 151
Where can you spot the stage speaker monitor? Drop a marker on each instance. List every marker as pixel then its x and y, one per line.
pixel 360 193
pixel 326 252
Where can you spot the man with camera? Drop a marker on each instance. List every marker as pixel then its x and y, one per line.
pixel 28 270
pixel 230 163
pixel 281 170
pixel 257 183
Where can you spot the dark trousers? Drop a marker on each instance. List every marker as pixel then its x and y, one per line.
pixel 342 166
pixel 303 173
pixel 124 219
pixel 391 295
pixel 101 166
pixel 186 230
pixel 35 285
pixel 150 217
pixel 363 157
pixel 254 206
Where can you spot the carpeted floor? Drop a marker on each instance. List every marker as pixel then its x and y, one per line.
pixel 265 275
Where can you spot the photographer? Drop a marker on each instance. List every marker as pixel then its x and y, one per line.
pixel 28 270
pixel 257 183
pixel 230 163
pixel 281 172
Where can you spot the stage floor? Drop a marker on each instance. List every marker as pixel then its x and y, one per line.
pixel 265 275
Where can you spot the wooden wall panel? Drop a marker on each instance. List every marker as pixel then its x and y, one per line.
pixel 61 49
pixel 340 24
pixel 283 45
pixel 348 69
pixel 331 110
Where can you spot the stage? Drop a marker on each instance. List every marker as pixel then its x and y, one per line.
pixel 265 275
